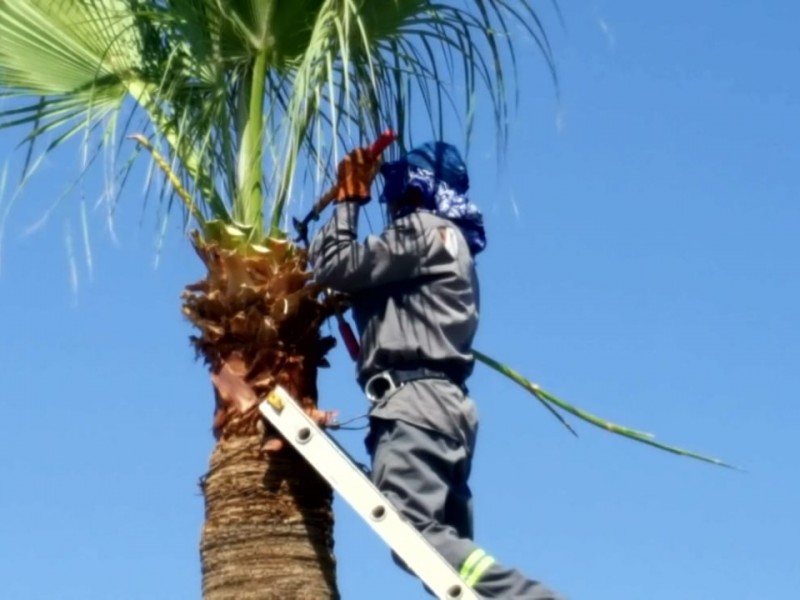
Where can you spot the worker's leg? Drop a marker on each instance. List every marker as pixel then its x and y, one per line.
pixel 424 474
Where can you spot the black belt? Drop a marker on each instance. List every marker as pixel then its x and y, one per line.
pixel 385 382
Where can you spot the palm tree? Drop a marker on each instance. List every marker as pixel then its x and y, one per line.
pixel 239 103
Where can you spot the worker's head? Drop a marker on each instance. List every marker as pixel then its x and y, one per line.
pixel 433 177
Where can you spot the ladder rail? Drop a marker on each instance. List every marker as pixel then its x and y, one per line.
pixel 337 467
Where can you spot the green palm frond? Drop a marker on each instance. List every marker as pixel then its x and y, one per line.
pixel 52 47
pixel 238 95
pixel 76 63
pixel 66 60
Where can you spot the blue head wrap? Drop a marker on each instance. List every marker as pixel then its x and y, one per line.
pixel 437 171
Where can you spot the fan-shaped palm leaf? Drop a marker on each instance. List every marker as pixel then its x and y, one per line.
pixel 234 87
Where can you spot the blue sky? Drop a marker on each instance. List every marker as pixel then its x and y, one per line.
pixel 642 264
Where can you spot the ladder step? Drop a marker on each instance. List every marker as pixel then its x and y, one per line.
pixel 350 482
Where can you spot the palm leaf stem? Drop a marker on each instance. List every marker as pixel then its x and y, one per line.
pixel 548 399
pixel 172 177
pixel 517 378
pixel 248 202
pixel 143 93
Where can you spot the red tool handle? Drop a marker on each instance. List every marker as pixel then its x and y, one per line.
pixel 348 337
pixel 384 140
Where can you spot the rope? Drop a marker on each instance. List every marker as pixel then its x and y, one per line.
pixel 345 425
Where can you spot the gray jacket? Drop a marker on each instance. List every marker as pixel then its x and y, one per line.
pixel 415 299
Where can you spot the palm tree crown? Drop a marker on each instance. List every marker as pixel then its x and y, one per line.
pixel 232 88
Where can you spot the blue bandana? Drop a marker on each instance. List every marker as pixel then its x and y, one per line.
pixel 438 173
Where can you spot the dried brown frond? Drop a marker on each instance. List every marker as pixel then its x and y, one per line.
pixel 259 318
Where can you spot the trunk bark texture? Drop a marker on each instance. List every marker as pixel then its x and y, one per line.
pixel 268 532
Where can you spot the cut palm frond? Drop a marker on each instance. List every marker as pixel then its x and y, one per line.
pixel 550 400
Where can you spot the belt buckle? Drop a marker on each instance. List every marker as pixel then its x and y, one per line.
pixel 369 387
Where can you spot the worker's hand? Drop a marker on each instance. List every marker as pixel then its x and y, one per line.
pixel 355 174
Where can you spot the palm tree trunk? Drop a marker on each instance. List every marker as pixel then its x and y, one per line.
pixel 268 533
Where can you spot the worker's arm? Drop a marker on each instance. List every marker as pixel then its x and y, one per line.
pixel 344 264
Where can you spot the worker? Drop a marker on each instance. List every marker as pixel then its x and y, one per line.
pixel 414 293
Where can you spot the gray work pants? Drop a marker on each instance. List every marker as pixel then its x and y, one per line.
pixel 424 474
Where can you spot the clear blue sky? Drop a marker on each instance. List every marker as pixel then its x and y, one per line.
pixel 643 263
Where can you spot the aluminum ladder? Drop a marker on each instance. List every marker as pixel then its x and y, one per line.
pixel 352 484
